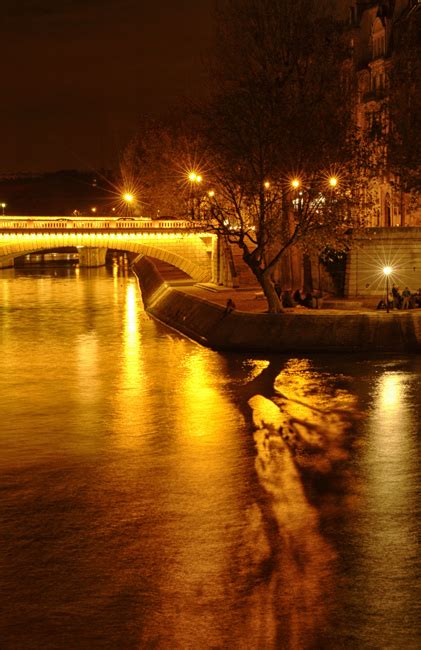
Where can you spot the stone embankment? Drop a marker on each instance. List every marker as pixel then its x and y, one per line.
pixel 205 321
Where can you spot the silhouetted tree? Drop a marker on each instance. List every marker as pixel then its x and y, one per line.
pixel 157 163
pixel 278 128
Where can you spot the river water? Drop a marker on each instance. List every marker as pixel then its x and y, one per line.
pixel 148 499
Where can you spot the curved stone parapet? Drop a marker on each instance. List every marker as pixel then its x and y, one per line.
pixel 310 331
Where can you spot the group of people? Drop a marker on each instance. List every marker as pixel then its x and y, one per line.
pixel 298 298
pixel 401 300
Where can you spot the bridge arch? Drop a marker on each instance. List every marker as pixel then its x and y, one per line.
pixel 190 252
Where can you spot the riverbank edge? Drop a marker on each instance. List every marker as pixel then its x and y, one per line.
pixel 311 331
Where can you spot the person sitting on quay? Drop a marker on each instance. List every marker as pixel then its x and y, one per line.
pixel 297 297
pixel 303 298
pixel 307 300
pixel 229 307
pixel 406 298
pixel 286 299
pixel 397 298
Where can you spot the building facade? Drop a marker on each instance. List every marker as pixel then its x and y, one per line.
pixel 379 32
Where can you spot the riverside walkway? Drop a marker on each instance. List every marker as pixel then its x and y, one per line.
pixel 197 310
pixel 253 301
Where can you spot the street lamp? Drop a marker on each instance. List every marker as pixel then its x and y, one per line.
pixel 387 270
pixel 3 205
pixel 129 201
pixel 333 181
pixel 195 179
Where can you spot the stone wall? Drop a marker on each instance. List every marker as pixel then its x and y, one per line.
pixel 399 248
pixel 312 331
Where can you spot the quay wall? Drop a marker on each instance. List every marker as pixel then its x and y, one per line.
pixel 310 331
pixel 399 248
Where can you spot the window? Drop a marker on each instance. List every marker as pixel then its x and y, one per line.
pixel 378 37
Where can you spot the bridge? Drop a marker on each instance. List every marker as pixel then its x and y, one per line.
pixel 184 244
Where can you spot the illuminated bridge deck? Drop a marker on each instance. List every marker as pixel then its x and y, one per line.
pixel 20 224
pixel 189 246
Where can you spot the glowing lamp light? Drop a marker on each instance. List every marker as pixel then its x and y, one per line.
pixel 295 183
pixel 129 198
pixel 387 270
pixel 93 210
pixel 211 193
pixel 267 185
pixel 333 181
pixel 194 178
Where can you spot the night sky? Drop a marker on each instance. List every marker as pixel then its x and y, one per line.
pixel 76 75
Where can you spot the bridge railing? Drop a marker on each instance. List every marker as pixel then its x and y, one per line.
pixel 98 223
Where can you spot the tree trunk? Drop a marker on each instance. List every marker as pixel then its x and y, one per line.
pixel 273 300
pixel 264 278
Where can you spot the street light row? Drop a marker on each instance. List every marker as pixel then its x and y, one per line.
pixel 194 177
pixel 295 183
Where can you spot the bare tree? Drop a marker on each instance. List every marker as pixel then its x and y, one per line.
pixel 281 151
pixel 157 163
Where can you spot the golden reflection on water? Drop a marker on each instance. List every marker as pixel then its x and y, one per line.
pixel 201 400
pixel 5 292
pixel 389 393
pixel 390 476
pixel 87 368
pixel 253 368
pixel 302 428
pixel 116 284
pixel 130 374
pixel 202 492
pixel 5 298
pixel 390 417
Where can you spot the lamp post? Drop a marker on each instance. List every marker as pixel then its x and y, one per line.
pixel 387 270
pixel 195 179
pixel 3 205
pixel 297 195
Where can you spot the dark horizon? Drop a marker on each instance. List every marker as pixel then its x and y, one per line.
pixel 78 77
